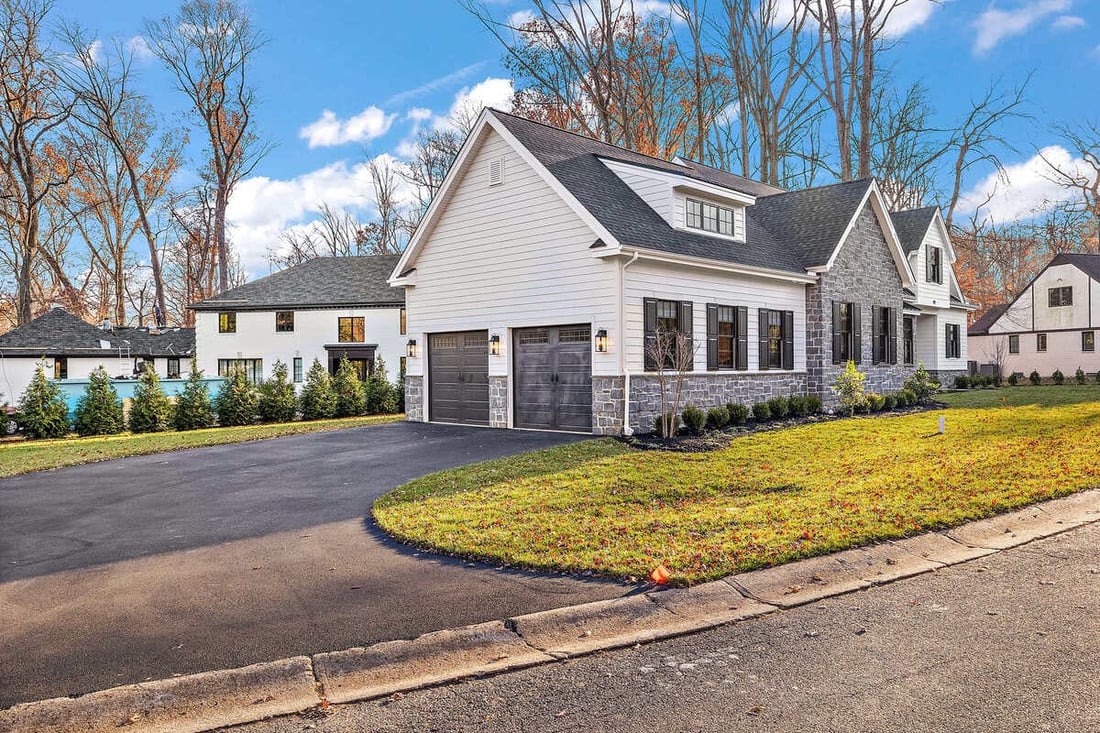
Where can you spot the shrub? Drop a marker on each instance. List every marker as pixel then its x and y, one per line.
pixel 922 385
pixel 718 417
pixel 670 419
pixel 761 411
pixel 99 412
pixel 151 411
pixel 238 401
pixel 906 398
pixel 318 401
pixel 1079 375
pixel 399 389
pixel 738 413
pixel 875 402
pixel 1058 377
pixel 1013 379
pixel 348 388
pixel 193 408
pixel 889 401
pixel 779 406
pixel 962 382
pixel 42 409
pixel 1034 377
pixel 995 380
pixel 850 387
pixel 977 381
pixel 694 419
pixel 278 401
pixel 798 405
pixel 813 404
pixel 381 398
pixel 1098 376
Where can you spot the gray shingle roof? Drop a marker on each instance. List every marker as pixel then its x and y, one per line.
pixel 787 231
pixel 912 225
pixel 1086 263
pixel 59 333
pixel 981 326
pixel 318 283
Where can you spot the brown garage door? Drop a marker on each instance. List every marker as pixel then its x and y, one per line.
pixel 458 377
pixel 553 377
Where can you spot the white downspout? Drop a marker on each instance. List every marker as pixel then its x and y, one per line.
pixel 627 430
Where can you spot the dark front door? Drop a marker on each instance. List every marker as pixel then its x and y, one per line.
pixel 458 377
pixel 553 377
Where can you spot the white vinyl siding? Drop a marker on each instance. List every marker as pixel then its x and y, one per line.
pixel 672 282
pixel 653 187
pixel 509 256
pixel 932 293
pixel 930 339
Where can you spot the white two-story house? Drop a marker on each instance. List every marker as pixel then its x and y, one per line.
pixel 327 308
pixel 1051 325
pixel 549 264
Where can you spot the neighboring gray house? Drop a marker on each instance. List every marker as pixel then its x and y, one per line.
pixel 549 262
pixel 71 348
pixel 327 308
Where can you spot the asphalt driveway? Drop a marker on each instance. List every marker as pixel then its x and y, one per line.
pixel 218 557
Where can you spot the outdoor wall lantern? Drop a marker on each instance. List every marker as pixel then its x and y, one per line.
pixel 494 344
pixel 410 349
pixel 601 341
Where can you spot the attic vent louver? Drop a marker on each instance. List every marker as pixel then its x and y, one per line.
pixel 496 172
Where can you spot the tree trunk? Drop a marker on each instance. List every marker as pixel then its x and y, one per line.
pixel 221 200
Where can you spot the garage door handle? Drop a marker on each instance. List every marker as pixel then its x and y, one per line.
pixel 460 377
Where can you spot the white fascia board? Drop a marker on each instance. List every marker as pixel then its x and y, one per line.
pixel 555 185
pixel 715 192
pixel 878 204
pixel 655 256
pixel 938 221
pixel 440 199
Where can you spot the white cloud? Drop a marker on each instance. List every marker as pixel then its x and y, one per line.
pixel 419 114
pixel 1068 22
pixel 493 92
pixel 447 80
pixel 520 17
pixel 261 208
pixel 94 51
pixel 904 17
pixel 1026 189
pixel 994 25
pixel 139 49
pixel 329 130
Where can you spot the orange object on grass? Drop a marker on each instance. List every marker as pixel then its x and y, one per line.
pixel 659 575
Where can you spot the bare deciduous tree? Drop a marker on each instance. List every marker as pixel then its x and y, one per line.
pixel 1083 180
pixel 208 46
pixel 672 357
pixel 334 234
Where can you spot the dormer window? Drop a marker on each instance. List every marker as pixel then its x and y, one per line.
pixel 710 217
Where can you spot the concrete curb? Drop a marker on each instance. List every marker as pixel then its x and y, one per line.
pixel 201 702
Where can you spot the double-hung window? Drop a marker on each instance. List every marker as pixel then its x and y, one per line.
pixel 954 344
pixel 60 367
pixel 253 368
pixel 668 334
pixel 710 217
pixel 297 370
pixel 885 337
pixel 227 323
pixel 173 369
pixel 1040 342
pixel 1088 341
pixel 284 321
pixel 847 333
pixel 775 333
pixel 1014 343
pixel 908 342
pixel 935 265
pixel 1059 297
pixel 727 337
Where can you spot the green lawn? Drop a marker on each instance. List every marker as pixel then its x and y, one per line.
pixel 768 498
pixel 24 456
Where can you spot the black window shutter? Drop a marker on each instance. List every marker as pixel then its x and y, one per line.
pixel 892 336
pixel 649 308
pixel 876 319
pixel 837 335
pixel 742 338
pixel 857 333
pixel 762 337
pixel 947 339
pixel 788 339
pixel 687 329
pixel 929 271
pixel 712 336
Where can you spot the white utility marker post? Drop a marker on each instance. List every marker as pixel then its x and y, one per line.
pixel 943 425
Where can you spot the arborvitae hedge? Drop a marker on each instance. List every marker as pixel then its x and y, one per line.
pixel 278 401
pixel 193 408
pixel 99 411
pixel 318 401
pixel 151 411
pixel 42 409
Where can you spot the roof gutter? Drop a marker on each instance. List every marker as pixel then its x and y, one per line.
pixel 654 256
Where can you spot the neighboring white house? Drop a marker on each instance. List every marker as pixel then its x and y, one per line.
pixel 1052 325
pixel 549 264
pixel 71 348
pixel 326 308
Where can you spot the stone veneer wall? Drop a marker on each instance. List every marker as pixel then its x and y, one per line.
pixel 607 405
pixel 709 389
pixel 864 273
pixel 498 402
pixel 946 377
pixel 414 399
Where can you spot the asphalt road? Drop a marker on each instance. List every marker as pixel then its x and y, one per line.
pixel 1010 642
pixel 145 567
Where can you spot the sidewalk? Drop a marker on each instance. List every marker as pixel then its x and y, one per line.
pixel 215 699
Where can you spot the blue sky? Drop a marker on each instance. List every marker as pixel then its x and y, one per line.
pixel 343 81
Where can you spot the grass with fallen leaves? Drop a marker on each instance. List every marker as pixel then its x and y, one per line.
pixel 24 456
pixel 767 499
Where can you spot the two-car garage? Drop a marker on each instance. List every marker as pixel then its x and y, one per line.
pixel 550 381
